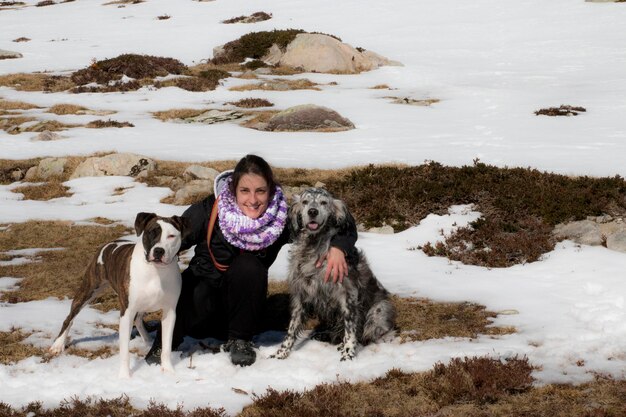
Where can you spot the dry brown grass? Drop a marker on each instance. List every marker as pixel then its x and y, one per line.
pixel 250 103
pixel 174 114
pixel 102 124
pixel 43 192
pixel 56 273
pixel 16 105
pixel 278 85
pixel 123 2
pixel 11 125
pixel 12 349
pixel 200 68
pixel 64 109
pixel 36 82
pixel 422 319
pixel 470 387
pixel 395 395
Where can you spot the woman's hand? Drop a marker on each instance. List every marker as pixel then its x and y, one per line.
pixel 335 264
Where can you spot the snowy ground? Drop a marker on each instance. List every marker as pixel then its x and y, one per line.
pixel 492 64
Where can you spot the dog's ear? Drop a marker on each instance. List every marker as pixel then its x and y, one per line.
pixel 295 215
pixel 142 220
pixel 183 224
pixel 339 214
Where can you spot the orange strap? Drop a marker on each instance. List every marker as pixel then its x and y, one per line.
pixel 219 266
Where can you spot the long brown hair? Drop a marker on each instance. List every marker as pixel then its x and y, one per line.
pixel 253 164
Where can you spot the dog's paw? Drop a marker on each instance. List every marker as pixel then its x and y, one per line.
pixel 348 352
pixel 124 374
pixel 167 369
pixel 57 347
pixel 280 354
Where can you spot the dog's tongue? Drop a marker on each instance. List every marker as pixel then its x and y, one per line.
pixel 312 225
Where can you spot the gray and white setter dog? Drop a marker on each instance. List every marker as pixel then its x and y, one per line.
pixel 355 310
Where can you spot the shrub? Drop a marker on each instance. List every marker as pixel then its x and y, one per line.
pixel 562 110
pixel 255 45
pixel 253 18
pixel 100 124
pixel 249 103
pixel 131 65
pixel 479 379
pixel 519 205
pixel 254 64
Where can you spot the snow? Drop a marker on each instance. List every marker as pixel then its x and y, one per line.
pixel 491 65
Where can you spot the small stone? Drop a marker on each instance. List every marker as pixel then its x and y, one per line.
pixel 47 135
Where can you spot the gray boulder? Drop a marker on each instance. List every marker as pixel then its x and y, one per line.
pixel 213 116
pixel 46 169
pixel 47 135
pixel 124 164
pixel 322 53
pixel 308 118
pixel 4 54
pixel 193 191
pixel 585 232
pixel 617 241
pixel 198 172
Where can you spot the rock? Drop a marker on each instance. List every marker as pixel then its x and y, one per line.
pixel 585 232
pixel 46 169
pixel 163 180
pixel 213 116
pixel 193 191
pixel 617 241
pixel 198 172
pixel 320 184
pixel 322 53
pixel 308 118
pixel 415 102
pixel 124 164
pixel 47 135
pixel 17 174
pixel 291 191
pixel 4 54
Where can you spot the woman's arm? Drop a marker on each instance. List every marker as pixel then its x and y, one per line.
pixel 342 251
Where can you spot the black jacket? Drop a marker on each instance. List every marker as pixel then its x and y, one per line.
pixel 201 264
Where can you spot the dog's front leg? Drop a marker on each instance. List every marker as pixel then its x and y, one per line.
pixel 167 331
pixel 349 344
pixel 141 329
pixel 126 323
pixel 298 316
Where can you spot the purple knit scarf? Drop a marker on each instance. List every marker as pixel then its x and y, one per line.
pixel 246 233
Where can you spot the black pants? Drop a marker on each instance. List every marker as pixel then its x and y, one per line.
pixel 234 311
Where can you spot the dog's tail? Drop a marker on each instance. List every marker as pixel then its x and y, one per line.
pixel 380 320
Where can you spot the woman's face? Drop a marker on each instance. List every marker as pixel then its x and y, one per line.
pixel 252 195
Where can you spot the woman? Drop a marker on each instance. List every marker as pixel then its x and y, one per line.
pixel 225 286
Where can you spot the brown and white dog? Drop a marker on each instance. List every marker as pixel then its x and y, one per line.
pixel 146 277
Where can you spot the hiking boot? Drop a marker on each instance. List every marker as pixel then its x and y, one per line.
pixel 241 352
pixel 154 355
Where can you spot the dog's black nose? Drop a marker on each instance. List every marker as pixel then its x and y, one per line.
pixel 158 253
pixel 313 212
